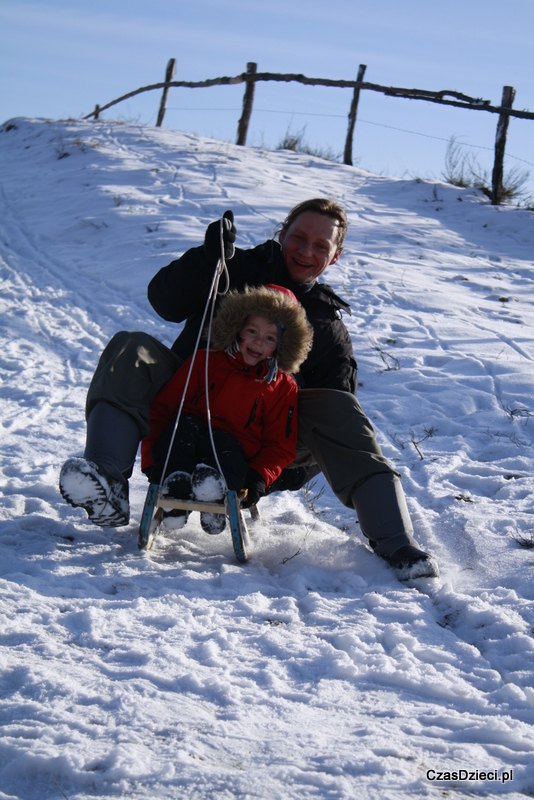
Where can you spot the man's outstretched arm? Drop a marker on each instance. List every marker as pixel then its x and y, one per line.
pixel 178 289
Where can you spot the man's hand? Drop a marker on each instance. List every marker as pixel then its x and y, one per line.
pixel 255 486
pixel 212 240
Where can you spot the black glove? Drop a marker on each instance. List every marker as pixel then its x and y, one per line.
pixel 149 471
pixel 255 486
pixel 212 239
pixel 292 479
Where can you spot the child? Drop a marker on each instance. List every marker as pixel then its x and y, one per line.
pixel 258 337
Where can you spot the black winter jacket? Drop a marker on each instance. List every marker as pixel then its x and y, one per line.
pixel 178 292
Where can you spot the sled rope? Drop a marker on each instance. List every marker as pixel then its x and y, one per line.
pixel 210 305
pixel 208 410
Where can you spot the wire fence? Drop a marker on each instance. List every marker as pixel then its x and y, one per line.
pixel 361 121
pixel 251 77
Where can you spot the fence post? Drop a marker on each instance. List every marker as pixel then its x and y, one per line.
pixel 508 94
pixel 242 127
pixel 169 75
pixel 97 111
pixel 347 158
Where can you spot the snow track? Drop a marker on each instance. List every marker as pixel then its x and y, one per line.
pixel 310 671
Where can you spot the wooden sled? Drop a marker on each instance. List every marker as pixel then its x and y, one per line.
pixel 231 508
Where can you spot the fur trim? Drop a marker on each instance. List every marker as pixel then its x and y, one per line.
pixel 236 307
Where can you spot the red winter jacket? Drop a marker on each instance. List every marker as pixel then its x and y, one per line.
pixel 261 416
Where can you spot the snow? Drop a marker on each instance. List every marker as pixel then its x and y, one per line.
pixel 311 671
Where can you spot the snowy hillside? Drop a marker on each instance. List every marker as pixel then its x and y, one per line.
pixel 310 672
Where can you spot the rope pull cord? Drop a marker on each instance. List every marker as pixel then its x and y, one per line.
pixel 214 292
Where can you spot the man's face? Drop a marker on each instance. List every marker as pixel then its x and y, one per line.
pixel 309 246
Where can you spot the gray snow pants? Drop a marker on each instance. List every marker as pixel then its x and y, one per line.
pixel 333 431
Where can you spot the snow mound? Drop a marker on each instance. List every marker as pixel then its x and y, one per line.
pixel 310 671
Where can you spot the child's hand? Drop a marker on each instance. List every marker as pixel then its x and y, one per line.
pixel 255 486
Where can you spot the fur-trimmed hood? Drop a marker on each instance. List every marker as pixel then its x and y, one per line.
pixel 236 307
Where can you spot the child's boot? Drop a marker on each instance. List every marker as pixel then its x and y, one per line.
pixel 177 486
pixel 208 487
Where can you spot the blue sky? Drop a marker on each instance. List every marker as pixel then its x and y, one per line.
pixel 59 58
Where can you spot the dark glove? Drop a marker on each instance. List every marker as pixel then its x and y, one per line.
pixel 149 471
pixel 255 486
pixel 212 239
pixel 292 479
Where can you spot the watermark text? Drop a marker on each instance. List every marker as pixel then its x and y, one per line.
pixel 501 775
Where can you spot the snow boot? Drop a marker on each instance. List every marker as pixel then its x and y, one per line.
pixel 208 487
pixel 384 519
pixel 410 563
pixel 176 486
pixel 85 484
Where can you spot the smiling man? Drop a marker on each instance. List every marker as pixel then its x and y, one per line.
pixel 311 242
pixel 334 435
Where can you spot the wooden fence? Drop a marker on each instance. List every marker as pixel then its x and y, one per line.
pixel 252 76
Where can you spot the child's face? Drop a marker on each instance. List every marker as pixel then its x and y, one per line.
pixel 257 340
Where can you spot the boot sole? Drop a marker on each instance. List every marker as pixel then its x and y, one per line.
pixel 81 489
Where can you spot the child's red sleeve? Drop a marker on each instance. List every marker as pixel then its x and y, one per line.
pixel 280 429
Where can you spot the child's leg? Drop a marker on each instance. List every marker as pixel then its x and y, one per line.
pixel 230 455
pixel 183 455
pixel 176 483
pixel 206 480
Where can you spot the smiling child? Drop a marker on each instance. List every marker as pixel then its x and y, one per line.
pixel 259 337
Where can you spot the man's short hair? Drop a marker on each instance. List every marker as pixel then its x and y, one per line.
pixel 321 205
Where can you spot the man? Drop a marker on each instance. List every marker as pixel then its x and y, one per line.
pixel 335 436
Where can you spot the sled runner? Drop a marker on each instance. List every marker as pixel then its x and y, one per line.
pixel 231 508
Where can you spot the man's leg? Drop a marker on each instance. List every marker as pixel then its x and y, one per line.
pixel 342 441
pixel 112 440
pixel 131 370
pixel 338 436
